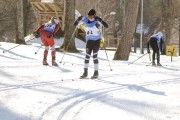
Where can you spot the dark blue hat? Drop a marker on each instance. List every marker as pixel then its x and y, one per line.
pixel 92 12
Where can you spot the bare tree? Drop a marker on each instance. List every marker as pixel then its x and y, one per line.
pixel 8 16
pixel 20 22
pixel 167 18
pixel 69 40
pixel 124 47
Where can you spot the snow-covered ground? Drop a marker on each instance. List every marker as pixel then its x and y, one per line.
pixel 30 91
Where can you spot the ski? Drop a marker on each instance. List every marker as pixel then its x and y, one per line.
pixel 52 66
pixel 84 78
pixel 94 77
pixel 153 66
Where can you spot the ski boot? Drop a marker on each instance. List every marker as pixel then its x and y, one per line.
pixel 45 62
pixel 153 63
pixel 96 74
pixel 54 62
pixel 159 64
pixel 85 74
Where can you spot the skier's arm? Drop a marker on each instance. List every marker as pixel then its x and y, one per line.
pixel 101 21
pixel 37 32
pixel 148 50
pixel 40 28
pixel 56 29
pixel 161 44
pixel 78 20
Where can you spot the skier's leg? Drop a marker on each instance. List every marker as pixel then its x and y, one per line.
pixel 87 58
pixel 44 41
pixel 154 53
pixel 152 44
pixel 96 47
pixel 53 53
pixel 45 55
pixel 53 50
pixel 158 55
pixel 89 48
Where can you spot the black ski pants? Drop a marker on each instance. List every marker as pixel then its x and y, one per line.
pixel 155 47
pixel 92 46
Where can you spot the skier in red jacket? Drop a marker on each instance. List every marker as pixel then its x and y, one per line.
pixel 47 32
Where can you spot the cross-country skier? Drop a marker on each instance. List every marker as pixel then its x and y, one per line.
pixel 47 32
pixel 93 39
pixel 157 43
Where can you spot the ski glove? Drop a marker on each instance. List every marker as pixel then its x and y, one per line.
pixel 97 25
pixel 36 34
pixel 50 35
pixel 148 51
pixel 80 18
pixel 105 24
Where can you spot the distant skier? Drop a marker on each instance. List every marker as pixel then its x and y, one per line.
pixel 157 43
pixel 93 39
pixel 47 32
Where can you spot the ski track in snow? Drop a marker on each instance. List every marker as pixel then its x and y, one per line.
pixel 82 100
pixel 110 91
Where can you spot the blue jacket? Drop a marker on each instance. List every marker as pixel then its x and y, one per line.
pixel 92 32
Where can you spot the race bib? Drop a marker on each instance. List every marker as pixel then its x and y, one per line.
pixel 49 27
pixel 92 31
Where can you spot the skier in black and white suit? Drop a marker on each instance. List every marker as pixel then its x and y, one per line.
pixel 93 39
pixel 157 44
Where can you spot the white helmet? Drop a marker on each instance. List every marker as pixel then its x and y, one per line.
pixel 53 20
pixel 160 34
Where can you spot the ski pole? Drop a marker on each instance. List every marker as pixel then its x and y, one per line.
pixel 149 64
pixel 149 56
pixel 68 44
pixel 38 49
pixel 16 46
pixel 107 57
pixel 137 59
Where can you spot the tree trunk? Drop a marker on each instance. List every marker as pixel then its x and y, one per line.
pixel 69 27
pixel 20 22
pixel 124 47
pixel 167 18
pixel 179 35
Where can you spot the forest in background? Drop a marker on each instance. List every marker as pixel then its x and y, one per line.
pixel 18 20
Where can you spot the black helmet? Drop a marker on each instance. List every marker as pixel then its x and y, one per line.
pixel 92 12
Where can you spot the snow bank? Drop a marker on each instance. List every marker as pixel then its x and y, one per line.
pixel 30 91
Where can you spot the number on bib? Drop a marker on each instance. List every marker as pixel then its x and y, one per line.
pixel 90 32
